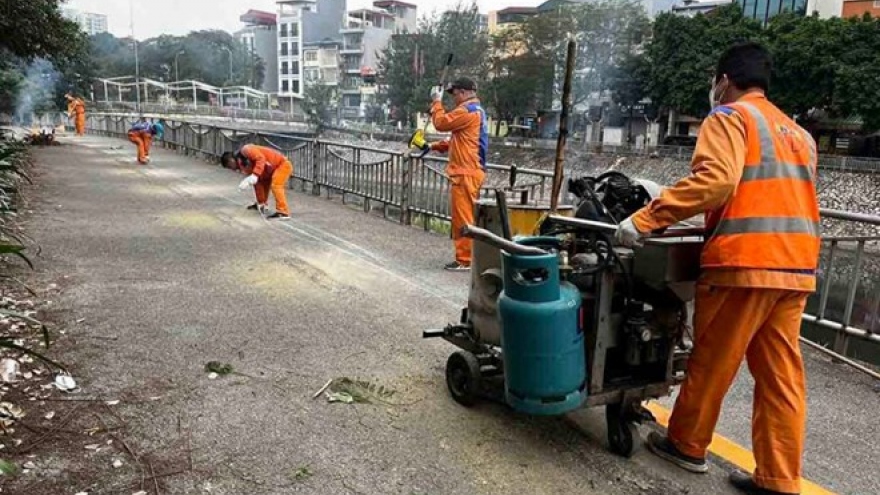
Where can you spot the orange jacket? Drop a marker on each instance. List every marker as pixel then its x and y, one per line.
pixel 263 161
pixel 753 174
pixel 469 145
pixel 76 106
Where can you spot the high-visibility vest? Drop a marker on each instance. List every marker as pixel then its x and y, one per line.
pixel 772 220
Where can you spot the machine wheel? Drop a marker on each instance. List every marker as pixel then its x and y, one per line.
pixel 463 377
pixel 623 435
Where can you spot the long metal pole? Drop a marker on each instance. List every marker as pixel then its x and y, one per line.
pixel 137 66
pixel 563 125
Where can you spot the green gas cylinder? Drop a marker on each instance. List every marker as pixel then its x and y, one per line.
pixel 542 338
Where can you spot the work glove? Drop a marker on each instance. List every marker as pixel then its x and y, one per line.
pixel 437 93
pixel 249 181
pixel 627 234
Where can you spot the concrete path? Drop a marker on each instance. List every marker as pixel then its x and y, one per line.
pixel 170 272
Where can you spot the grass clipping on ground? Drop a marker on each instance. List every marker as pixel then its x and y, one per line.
pixel 350 391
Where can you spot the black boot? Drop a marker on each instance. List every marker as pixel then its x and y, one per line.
pixel 746 484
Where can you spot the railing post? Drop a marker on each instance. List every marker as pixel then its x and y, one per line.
pixel 841 341
pixel 405 189
pixel 316 154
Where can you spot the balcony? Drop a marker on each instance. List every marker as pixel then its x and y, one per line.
pixel 352 50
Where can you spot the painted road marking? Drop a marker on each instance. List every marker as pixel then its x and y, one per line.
pixel 732 452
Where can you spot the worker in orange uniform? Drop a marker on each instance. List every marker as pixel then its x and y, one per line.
pixel 266 170
pixel 76 109
pixel 140 134
pixel 468 148
pixel 754 175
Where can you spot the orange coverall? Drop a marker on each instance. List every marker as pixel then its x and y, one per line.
pixel 468 149
pixel 747 303
pixel 273 171
pixel 141 138
pixel 77 108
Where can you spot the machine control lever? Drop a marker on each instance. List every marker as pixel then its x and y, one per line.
pixel 500 242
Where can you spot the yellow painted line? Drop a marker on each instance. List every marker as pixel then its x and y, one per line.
pixel 732 452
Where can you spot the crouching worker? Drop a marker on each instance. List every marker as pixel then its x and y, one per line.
pixel 266 170
pixel 140 134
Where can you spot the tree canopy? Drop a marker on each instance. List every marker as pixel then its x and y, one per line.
pixel 41 56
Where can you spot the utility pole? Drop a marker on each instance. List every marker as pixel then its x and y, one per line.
pixel 137 66
pixel 176 67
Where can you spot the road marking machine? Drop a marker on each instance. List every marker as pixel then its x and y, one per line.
pixel 565 319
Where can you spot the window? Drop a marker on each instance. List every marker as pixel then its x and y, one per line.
pixel 312 55
pixel 877 4
pixel 283 31
pixel 294 30
pixel 295 87
pixel 294 68
pixel 285 87
pixel 284 68
pixel 294 48
pixel 284 51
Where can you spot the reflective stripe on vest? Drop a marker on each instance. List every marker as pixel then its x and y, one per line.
pixel 769 168
pixel 776 238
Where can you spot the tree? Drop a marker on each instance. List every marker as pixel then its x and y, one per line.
pixel 36 29
pixel 606 31
pixel 412 62
pixel 519 77
pixel 857 78
pixel 684 52
pixel 805 52
pixel 41 56
pixel 319 101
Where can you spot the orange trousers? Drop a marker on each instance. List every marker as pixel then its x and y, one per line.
pixel 80 124
pixel 464 190
pixel 139 139
pixel 277 185
pixel 763 326
pixel 148 143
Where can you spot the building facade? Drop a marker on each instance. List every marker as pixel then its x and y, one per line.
pixel 260 36
pixel 321 62
pixel 89 22
pixel 301 22
pixel 858 8
pixel 366 33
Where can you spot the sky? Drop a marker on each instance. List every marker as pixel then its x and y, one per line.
pixel 179 17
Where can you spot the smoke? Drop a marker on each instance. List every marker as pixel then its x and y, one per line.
pixel 36 92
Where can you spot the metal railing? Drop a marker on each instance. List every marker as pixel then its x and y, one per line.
pixel 414 190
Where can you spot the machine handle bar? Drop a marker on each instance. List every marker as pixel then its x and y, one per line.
pixel 500 242
pixel 610 228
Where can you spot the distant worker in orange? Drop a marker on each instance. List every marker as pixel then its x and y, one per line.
pixel 468 148
pixel 753 173
pixel 140 134
pixel 76 109
pixel 266 170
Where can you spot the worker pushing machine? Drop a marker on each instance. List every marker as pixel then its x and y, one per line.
pixel 754 176
pixel 76 110
pixel 266 170
pixel 468 148
pixel 141 134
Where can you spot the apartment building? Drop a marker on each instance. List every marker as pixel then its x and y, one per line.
pixel 89 22
pixel 302 22
pixel 260 36
pixel 321 62
pixel 366 33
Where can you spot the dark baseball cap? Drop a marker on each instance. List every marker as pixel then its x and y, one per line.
pixel 462 83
